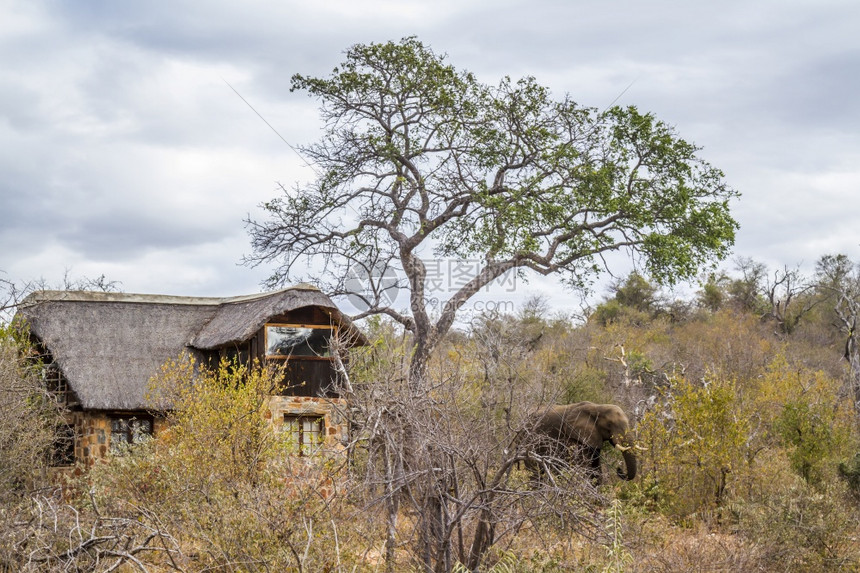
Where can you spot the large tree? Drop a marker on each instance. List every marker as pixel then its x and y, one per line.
pixel 420 160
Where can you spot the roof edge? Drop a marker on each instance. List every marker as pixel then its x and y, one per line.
pixel 42 296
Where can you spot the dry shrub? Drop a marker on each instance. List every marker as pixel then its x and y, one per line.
pixel 728 344
pixel 29 416
pixel 223 485
pixel 463 438
pixel 798 526
pixel 664 548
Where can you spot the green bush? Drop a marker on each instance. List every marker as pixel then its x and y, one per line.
pixel 695 446
pixel 850 472
pixel 808 430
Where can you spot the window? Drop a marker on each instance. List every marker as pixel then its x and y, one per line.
pixel 284 340
pixel 305 432
pixel 126 430
pixel 63 451
pixel 57 383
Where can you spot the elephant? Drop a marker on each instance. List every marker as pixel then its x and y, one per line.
pixel 580 429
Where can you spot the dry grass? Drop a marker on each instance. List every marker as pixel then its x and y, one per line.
pixel 666 549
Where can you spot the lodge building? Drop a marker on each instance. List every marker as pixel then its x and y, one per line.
pixel 101 350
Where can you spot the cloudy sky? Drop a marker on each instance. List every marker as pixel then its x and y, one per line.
pixel 125 153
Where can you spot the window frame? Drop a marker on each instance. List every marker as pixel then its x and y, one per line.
pixel 62 452
pixel 298 437
pixel 330 327
pixel 133 435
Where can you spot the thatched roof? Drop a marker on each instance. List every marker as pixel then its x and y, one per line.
pixel 238 319
pixel 109 345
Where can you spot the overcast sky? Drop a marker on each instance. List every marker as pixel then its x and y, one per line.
pixel 125 153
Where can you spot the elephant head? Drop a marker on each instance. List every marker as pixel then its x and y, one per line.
pixel 585 427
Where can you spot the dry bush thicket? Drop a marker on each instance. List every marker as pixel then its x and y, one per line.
pixel 747 437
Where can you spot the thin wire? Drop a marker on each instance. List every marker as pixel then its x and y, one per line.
pixel 296 151
pixel 618 97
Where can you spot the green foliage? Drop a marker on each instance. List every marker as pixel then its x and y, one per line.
pixel 636 292
pixel 220 478
pixel 696 442
pixel 588 384
pixel 607 312
pixel 713 295
pixel 614 310
pixel 837 274
pixel 506 174
pixel 638 363
pixel 216 416
pixel 747 291
pixel 703 441
pixel 807 429
pixel 809 417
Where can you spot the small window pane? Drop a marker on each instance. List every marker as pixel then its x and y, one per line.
pixel 117 440
pixel 128 430
pixel 63 451
pixel 306 433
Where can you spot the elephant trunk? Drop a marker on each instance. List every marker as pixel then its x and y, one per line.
pixel 625 443
pixel 630 465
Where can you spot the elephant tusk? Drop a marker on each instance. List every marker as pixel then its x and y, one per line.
pixel 623 448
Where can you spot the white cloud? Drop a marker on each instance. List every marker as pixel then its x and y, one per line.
pixel 124 152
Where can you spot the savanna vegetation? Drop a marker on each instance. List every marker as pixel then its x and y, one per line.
pixel 744 399
pixel 746 434
pixel 419 162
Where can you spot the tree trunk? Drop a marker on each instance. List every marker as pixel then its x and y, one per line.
pixel 848 310
pixel 435 545
pixel 482 541
pixel 392 504
pixel 418 366
pixel 854 370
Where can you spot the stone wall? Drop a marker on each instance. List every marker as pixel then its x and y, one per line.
pixel 335 426
pixel 92 435
pixel 92 429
